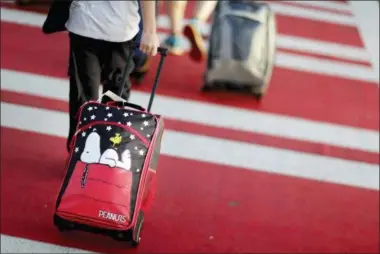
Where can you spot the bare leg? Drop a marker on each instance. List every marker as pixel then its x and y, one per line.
pixel 193 30
pixel 176 12
pixel 204 9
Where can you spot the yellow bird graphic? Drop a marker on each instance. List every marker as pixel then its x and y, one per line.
pixel 116 139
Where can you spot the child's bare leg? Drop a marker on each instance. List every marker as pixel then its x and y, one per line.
pixel 203 10
pixel 192 31
pixel 176 12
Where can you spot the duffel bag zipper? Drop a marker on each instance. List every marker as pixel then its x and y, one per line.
pixel 125 127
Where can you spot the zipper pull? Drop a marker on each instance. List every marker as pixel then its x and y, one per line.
pixel 84 176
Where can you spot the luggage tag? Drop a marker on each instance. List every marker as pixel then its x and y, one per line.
pixel 118 101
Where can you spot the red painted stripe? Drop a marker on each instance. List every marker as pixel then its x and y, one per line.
pixel 199 207
pixel 319 30
pixel 242 136
pixel 294 93
pixel 35 8
pixel 305 5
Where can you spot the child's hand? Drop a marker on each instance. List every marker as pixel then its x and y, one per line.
pixel 149 43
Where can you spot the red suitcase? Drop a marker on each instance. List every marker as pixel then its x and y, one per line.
pixel 110 172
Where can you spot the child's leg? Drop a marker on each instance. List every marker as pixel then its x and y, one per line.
pixel 203 10
pixel 140 59
pixel 176 12
pixel 85 75
pixel 193 30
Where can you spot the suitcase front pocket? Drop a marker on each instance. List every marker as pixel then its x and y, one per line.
pixel 105 196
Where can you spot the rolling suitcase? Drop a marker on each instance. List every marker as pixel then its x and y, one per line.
pixel 110 172
pixel 242 46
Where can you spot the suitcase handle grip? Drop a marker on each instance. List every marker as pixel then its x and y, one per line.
pixel 163 53
pixel 126 104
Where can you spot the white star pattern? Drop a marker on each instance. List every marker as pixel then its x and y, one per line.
pixel 76 149
pixel 95 107
pixel 129 124
pixel 83 134
pixel 145 123
pixel 136 148
pixel 89 108
pixel 109 128
pixel 92 117
pixel 141 152
pixel 125 114
pixel 109 114
pixel 132 137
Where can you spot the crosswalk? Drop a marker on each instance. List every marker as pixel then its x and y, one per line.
pixel 297 172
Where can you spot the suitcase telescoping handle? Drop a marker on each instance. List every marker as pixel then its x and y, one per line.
pixel 163 53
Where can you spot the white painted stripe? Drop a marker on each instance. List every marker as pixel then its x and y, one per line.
pixel 214 150
pixel 283 41
pixel 323 48
pixel 367 16
pixel 330 5
pixel 11 244
pixel 312 14
pixel 285 60
pixel 209 114
pixel 326 67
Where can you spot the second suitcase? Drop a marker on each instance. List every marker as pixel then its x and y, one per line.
pixel 242 46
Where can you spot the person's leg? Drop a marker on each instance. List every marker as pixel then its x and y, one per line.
pixel 193 30
pixel 115 56
pixel 203 10
pixel 141 60
pixel 84 72
pixel 176 12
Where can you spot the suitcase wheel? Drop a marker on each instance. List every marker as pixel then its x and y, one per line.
pixel 136 238
pixel 206 88
pixel 258 92
pixel 258 96
pixel 63 225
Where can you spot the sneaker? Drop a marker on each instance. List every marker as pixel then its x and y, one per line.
pixel 198 47
pixel 174 44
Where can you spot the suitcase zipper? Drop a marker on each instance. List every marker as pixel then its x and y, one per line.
pixel 129 129
pixel 84 176
pixel 126 127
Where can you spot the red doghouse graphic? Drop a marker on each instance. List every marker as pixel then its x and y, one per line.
pixel 99 178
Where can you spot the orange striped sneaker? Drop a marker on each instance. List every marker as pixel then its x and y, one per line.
pixel 198 47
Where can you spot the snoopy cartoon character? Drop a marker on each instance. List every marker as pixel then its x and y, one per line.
pixel 91 154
